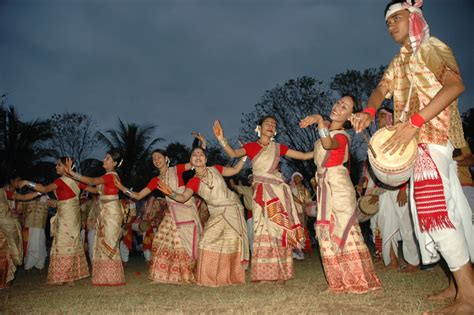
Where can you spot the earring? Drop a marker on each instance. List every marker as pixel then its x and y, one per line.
pixel 257 130
pixel 192 168
pixel 167 162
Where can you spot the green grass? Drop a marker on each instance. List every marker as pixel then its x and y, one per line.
pixel 401 293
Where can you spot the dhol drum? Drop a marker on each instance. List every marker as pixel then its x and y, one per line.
pixel 367 208
pixel 392 170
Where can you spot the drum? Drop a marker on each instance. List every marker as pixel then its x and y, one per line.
pixel 366 209
pixel 392 170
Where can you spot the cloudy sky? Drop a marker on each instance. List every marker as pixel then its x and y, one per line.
pixel 181 64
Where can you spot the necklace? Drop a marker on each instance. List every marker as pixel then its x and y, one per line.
pixel 165 176
pixel 259 141
pixel 206 178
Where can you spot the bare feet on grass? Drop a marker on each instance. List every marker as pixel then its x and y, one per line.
pixel 448 293
pixel 409 269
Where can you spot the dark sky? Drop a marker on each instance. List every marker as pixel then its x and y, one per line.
pixel 182 64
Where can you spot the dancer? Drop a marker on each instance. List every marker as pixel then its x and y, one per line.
pixel 11 244
pixel 277 230
pixel 346 260
pixel 425 83
pixel 175 245
pixel 223 249
pixel 67 262
pixel 107 269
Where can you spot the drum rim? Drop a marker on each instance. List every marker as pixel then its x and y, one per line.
pixel 394 170
pixel 366 197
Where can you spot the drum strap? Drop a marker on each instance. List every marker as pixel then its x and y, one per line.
pixel 429 193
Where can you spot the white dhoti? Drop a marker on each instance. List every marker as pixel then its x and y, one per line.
pixel 124 251
pixel 36 250
pixel 455 245
pixel 395 225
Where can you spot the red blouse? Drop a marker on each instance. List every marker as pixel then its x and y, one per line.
pixel 9 194
pixel 109 185
pixel 336 156
pixel 252 149
pixel 180 169
pixel 194 182
pixel 63 192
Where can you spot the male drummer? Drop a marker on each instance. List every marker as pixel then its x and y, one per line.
pixel 425 84
pixel 393 218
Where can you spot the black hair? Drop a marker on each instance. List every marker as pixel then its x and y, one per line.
pixel 392 2
pixel 160 151
pixel 355 109
pixel 116 156
pixel 385 109
pixel 262 119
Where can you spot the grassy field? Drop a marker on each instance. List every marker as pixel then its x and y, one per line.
pixel 401 293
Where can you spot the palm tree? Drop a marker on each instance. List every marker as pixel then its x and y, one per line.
pixel 22 144
pixel 135 143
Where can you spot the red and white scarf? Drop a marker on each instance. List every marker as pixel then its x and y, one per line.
pixel 429 193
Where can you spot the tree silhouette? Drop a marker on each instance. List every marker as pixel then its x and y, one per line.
pixel 74 135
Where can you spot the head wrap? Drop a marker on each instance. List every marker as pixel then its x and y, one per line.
pixel 418 29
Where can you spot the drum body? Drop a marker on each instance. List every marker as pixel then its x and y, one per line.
pixel 367 209
pixel 392 170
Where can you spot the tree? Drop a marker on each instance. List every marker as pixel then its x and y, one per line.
pixel 22 144
pixel 74 135
pixel 289 103
pixel 135 143
pixel 468 126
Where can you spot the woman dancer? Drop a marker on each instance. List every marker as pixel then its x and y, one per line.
pixel 277 229
pixel 223 249
pixel 11 244
pixel 67 262
pixel 107 269
pixel 346 260
pixel 175 245
pixel 302 198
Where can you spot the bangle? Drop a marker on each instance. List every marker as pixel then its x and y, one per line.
pixel 31 185
pixel 77 176
pixel 416 121
pixel 323 133
pixel 39 193
pixel 371 111
pixel 128 192
pixel 244 158
pixel 172 195
pixel 223 142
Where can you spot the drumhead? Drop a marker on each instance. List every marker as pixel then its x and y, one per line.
pixel 366 207
pixel 385 161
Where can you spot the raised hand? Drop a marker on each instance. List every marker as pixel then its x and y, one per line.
pixel 218 131
pixel 68 168
pixel 310 120
pixel 201 139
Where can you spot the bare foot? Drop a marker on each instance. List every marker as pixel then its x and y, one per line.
pixel 458 307
pixel 392 266
pixel 409 269
pixel 448 293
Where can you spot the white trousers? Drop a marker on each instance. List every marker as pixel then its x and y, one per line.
pixel 395 225
pixel 455 245
pixel 90 243
pixel 124 251
pixel 36 251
